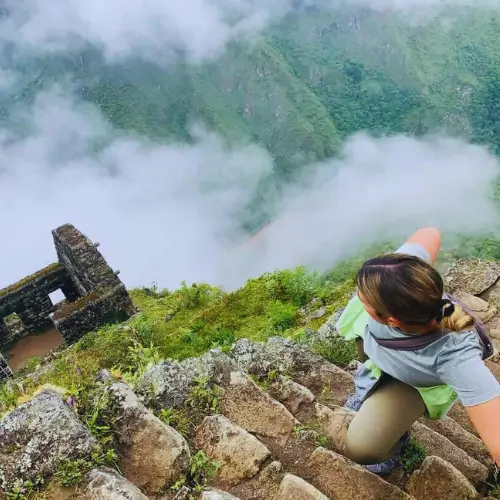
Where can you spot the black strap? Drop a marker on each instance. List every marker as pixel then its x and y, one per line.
pixel 409 342
pixel 414 342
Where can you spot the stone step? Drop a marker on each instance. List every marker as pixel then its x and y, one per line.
pixel 341 479
pixel 440 446
pixel 216 494
pixel 438 479
pixel 468 442
pixel 293 487
pixel 305 367
pixel 240 454
pixel 98 484
pixel 153 456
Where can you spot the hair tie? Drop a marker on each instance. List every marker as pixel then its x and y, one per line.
pixel 447 308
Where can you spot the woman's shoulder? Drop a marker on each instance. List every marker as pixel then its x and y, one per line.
pixel 465 341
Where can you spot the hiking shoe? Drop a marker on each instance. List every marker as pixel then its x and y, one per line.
pixel 353 402
pixel 384 468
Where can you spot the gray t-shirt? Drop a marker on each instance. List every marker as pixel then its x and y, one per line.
pixel 455 359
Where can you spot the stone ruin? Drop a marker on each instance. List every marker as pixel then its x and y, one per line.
pixel 275 427
pixel 93 293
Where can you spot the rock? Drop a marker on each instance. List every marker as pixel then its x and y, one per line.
pixel 439 479
pixel 471 444
pixel 296 398
pixel 286 357
pixel 248 406
pixel 215 494
pixel 106 484
pixel 473 276
pixel 482 309
pixel 341 479
pixel 37 435
pixel 334 424
pixel 319 313
pixel 240 454
pixel 438 445
pixel 264 485
pixel 327 329
pixel 168 383
pixel 153 455
pixel 293 487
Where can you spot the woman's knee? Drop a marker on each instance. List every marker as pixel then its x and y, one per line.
pixel 363 450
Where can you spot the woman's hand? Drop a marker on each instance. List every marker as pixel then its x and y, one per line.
pixel 428 238
pixel 486 419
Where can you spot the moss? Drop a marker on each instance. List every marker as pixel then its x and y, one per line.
pixel 29 279
pixel 71 307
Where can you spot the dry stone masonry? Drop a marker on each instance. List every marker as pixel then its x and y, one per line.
pixel 279 437
pixel 93 294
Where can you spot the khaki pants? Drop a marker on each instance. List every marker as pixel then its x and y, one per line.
pixel 384 417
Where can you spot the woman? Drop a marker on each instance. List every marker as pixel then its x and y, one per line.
pixel 400 296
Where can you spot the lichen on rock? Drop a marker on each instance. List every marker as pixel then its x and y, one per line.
pixel 37 435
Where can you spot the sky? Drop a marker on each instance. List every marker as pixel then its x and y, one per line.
pixel 165 213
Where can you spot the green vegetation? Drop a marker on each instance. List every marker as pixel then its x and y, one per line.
pixel 185 323
pixel 201 471
pixel 413 455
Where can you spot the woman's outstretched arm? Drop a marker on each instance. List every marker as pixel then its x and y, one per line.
pixel 430 239
pixel 486 419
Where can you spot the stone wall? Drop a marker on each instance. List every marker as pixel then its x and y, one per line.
pixel 93 293
pixel 101 306
pixel 84 263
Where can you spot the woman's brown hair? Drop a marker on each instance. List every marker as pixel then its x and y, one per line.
pixel 407 288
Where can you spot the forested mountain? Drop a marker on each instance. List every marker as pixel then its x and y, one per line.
pixel 306 84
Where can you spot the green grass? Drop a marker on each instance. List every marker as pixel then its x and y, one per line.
pixel 186 323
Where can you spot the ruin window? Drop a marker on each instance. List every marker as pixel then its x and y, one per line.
pixel 56 297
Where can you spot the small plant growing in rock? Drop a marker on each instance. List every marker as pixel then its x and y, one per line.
pixel 413 455
pixel 202 400
pixel 336 350
pixel 72 472
pixel 25 489
pixel 201 471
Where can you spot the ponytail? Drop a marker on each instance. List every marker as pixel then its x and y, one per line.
pixel 457 320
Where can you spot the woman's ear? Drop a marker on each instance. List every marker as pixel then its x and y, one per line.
pixel 393 322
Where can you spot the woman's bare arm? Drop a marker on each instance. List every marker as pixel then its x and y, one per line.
pixel 486 419
pixel 428 238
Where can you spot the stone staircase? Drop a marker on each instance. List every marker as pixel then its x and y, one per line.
pixel 276 427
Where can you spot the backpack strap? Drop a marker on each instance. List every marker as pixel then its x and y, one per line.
pixel 414 342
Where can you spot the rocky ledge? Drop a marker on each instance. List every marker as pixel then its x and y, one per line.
pixel 262 421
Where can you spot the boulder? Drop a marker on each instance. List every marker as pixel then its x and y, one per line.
pixel 437 478
pixel 482 309
pixel 263 485
pixel 239 454
pixel 106 484
pixel 37 435
pixel 152 455
pixel 296 398
pixel 334 423
pixel 473 276
pixel 293 487
pixel 167 384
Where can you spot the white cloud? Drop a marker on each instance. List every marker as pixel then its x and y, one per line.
pixel 166 213
pixel 157 29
